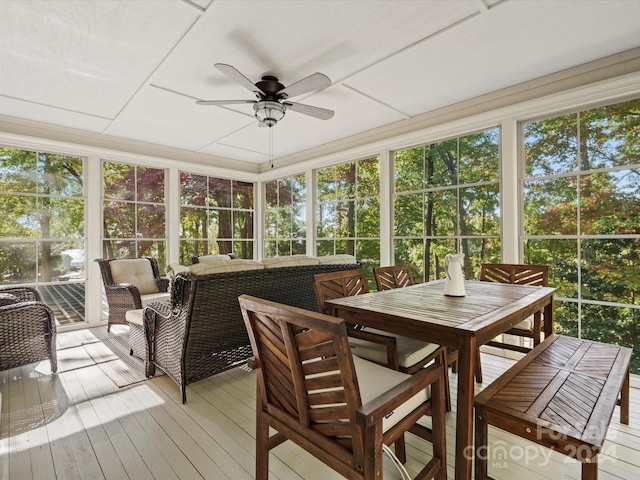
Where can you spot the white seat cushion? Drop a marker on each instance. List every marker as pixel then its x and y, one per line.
pixel 374 380
pixel 134 316
pixel 155 297
pixel 525 324
pixel 410 351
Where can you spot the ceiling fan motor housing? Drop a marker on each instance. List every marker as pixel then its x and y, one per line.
pixel 270 86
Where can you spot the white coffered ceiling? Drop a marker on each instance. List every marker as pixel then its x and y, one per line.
pixel 130 69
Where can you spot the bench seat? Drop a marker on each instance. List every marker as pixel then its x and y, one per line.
pixel 561 395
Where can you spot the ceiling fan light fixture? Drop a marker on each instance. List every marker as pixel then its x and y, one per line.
pixel 269 112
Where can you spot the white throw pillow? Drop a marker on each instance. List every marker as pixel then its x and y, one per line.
pixel 212 258
pixel 175 268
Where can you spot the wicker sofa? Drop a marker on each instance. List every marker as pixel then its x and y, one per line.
pixel 201 332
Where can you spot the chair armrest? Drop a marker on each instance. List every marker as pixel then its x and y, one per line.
pixel 24 293
pixel 163 284
pixel 389 342
pixel 124 292
pixel 375 410
pixel 32 318
pixel 7 299
pixel 164 327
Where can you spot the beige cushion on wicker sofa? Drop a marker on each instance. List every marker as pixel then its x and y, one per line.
pixel 336 259
pixel 223 266
pixel 289 261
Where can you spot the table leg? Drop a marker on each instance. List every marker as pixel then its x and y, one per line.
pixel 464 414
pixel 548 319
pixel 624 400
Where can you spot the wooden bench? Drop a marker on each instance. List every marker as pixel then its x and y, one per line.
pixel 560 395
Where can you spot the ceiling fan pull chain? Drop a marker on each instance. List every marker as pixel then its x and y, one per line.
pixel 271 146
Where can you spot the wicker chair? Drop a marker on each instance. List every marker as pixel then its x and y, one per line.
pixel 27 328
pixel 342 409
pixel 131 284
pixel 518 274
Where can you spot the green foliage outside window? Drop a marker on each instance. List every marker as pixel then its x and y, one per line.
pixel 134 212
pixel 216 217
pixel 581 217
pixel 447 200
pixel 42 209
pixel 348 211
pixel 285 230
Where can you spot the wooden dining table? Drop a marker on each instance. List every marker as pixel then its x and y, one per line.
pixel 422 311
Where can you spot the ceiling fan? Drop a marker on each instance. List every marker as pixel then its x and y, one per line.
pixel 273 97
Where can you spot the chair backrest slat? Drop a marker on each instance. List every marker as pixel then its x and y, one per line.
pixel 517 274
pixel 395 276
pixel 334 285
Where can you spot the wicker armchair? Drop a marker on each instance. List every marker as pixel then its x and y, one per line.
pixel 27 328
pixel 131 284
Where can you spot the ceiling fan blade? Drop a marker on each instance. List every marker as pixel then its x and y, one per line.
pixel 238 77
pixel 223 102
pixel 307 84
pixel 321 113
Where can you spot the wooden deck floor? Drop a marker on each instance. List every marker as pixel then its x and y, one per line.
pixel 66 300
pixel 79 424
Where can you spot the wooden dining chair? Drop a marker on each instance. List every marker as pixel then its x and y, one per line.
pixel 342 409
pixel 401 353
pixel 394 276
pixel 518 274
pixel 400 276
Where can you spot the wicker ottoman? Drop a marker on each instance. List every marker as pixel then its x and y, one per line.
pixel 137 338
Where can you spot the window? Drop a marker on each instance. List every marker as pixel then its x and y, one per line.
pixel 581 210
pixel 348 211
pixel 216 217
pixel 134 212
pixel 284 217
pixel 42 230
pixel 447 200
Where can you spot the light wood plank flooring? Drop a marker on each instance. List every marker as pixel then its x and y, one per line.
pixel 79 425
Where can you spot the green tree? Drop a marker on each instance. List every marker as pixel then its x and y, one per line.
pixel 40 201
pixel 582 202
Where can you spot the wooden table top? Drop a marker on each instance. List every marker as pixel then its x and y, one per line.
pixel 422 304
